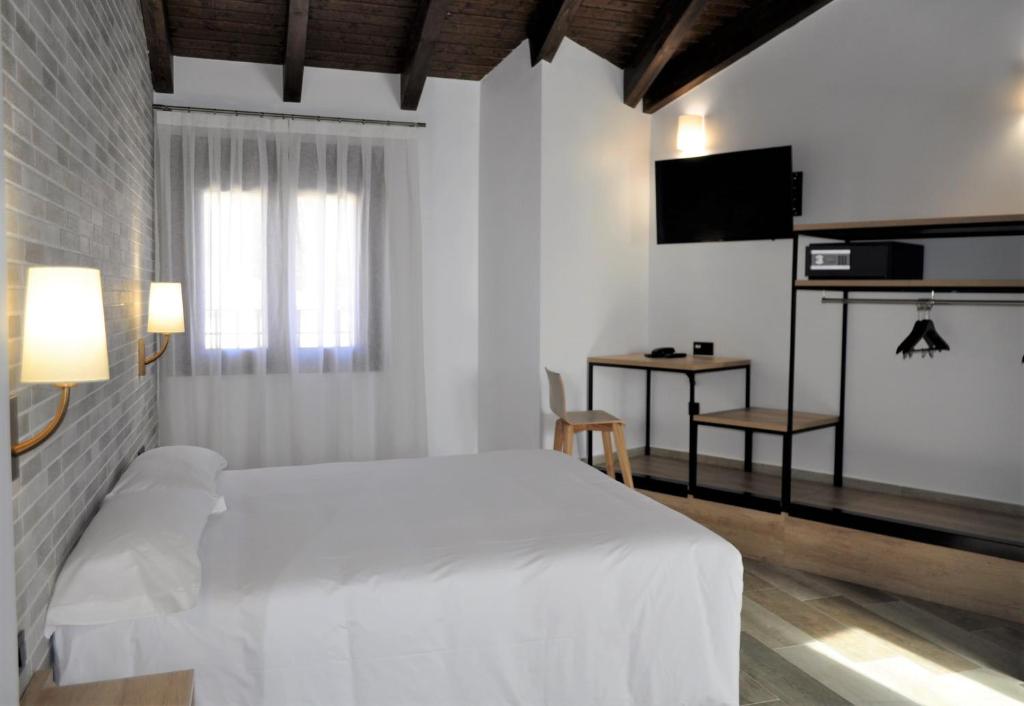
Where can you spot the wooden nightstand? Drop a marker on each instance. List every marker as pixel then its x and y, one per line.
pixel 169 689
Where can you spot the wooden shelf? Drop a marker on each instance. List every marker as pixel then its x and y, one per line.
pixel 915 285
pixel 968 226
pixel 766 419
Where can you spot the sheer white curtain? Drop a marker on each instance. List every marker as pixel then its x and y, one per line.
pixel 298 247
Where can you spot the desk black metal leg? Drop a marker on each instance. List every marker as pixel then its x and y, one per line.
pixel 647 417
pixel 748 435
pixel 787 469
pixel 693 456
pixel 692 410
pixel 590 406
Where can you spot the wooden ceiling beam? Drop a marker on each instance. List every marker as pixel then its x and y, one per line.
pixel 295 49
pixel 158 39
pixel 548 27
pixel 426 30
pixel 731 42
pixel 671 27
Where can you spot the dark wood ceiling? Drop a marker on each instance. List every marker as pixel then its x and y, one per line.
pixel 664 45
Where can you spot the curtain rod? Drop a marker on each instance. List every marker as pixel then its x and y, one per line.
pixel 289 116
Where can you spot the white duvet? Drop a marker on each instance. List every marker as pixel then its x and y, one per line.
pixel 520 577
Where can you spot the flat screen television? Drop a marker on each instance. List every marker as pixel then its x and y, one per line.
pixel 731 196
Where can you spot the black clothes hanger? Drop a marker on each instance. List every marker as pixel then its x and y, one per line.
pixel 924 331
pixel 933 339
pixel 912 339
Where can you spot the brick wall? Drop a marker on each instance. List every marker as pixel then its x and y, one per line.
pixel 79 178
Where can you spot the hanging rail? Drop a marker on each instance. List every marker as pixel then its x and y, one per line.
pixel 917 302
pixel 287 116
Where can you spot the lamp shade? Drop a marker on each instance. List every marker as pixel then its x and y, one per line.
pixel 65 336
pixel 165 310
pixel 691 140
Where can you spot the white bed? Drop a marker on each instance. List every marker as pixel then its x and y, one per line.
pixel 519 577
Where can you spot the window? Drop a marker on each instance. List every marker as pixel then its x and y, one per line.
pixel 234 271
pixel 324 274
pixel 326 270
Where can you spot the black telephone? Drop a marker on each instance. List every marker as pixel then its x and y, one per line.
pixel 665 352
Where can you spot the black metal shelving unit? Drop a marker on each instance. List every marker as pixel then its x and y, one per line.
pixel 788 422
pixel 1010 225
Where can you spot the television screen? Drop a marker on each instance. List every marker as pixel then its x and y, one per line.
pixel 732 196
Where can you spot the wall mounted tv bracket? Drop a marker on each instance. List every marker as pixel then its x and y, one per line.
pixel 798 193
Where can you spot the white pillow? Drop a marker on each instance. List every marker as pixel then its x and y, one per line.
pixel 138 557
pixel 175 467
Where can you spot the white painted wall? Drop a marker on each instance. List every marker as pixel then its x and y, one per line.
pixel 894 110
pixel 595 206
pixel 449 166
pixel 510 227
pixel 563 239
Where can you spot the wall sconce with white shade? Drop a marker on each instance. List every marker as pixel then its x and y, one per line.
pixel 64 341
pixel 166 316
pixel 691 138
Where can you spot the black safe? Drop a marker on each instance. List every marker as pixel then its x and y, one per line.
pixel 864 261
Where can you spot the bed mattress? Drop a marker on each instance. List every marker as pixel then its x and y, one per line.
pixel 518 577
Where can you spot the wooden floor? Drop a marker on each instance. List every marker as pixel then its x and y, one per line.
pixel 921 511
pixel 810 640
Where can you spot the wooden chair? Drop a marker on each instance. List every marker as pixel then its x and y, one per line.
pixel 569 423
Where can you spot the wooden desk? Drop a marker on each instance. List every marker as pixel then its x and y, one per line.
pixel 691 363
pixel 690 366
pixel 169 689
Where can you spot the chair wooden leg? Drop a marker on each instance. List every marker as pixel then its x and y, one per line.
pixel 627 470
pixel 609 455
pixel 567 438
pixel 559 433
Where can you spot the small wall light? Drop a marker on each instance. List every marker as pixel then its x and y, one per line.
pixel 166 316
pixel 691 139
pixel 64 341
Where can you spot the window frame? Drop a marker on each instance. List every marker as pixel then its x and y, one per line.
pixel 275 355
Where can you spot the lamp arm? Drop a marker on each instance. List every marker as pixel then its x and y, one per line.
pixel 144 360
pixel 165 338
pixel 51 426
